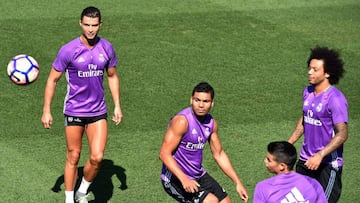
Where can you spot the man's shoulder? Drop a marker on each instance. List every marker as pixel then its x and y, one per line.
pixel 186 110
pixel 336 92
pixel 71 44
pixel 178 120
pixel 105 43
pixel 267 181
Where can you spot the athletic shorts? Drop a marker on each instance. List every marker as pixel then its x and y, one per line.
pixel 82 121
pixel 328 176
pixel 207 185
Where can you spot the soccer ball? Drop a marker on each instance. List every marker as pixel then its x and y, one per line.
pixel 23 69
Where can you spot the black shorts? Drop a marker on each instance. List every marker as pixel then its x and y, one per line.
pixel 82 121
pixel 207 185
pixel 328 177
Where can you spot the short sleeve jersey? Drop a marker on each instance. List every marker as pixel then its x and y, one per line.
pixel 84 69
pixel 321 112
pixel 289 188
pixel 189 154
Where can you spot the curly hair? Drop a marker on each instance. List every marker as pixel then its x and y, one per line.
pixel 333 64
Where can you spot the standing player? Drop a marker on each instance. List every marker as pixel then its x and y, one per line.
pixel 323 122
pixel 287 185
pixel 84 60
pixel 183 176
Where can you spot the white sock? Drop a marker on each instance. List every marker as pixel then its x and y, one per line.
pixel 84 186
pixel 69 196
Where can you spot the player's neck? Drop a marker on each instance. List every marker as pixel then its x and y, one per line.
pixel 201 119
pixel 285 172
pixel 322 87
pixel 89 42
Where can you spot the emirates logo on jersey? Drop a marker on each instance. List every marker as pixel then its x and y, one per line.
pixel 92 72
pixel 308 119
pixel 195 146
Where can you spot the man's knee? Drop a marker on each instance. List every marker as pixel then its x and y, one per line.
pixel 73 157
pixel 96 159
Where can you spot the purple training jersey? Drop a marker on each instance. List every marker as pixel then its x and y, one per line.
pixel 189 154
pixel 289 188
pixel 84 69
pixel 321 112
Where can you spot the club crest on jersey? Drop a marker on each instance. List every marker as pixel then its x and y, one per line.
pixel 101 58
pixel 319 107
pixel 207 132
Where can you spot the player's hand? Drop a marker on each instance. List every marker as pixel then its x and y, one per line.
pixel 242 192
pixel 314 162
pixel 47 120
pixel 191 186
pixel 117 116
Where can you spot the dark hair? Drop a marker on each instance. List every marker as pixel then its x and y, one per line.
pixel 204 87
pixel 333 65
pixel 284 152
pixel 91 12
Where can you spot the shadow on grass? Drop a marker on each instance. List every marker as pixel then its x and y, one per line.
pixel 102 186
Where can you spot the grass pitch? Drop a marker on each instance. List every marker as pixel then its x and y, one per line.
pixel 253 53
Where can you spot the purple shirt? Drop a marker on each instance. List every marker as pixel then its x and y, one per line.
pixel 189 154
pixel 84 69
pixel 321 112
pixel 290 187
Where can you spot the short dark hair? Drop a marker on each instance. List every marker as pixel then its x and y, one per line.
pixel 204 87
pixel 284 152
pixel 91 12
pixel 333 65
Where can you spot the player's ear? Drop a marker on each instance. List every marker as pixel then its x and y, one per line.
pixel 282 167
pixel 212 103
pixel 191 100
pixel 80 22
pixel 327 75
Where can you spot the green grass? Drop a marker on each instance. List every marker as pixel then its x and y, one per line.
pixel 253 52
